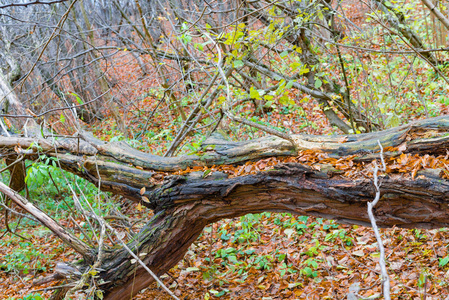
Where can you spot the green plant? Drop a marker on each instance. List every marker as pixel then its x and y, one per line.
pixel 263 262
pixel 423 277
pixel 248 232
pixel 48 184
pixel 219 293
pixel 284 267
pixel 229 254
pixel 313 250
pixel 443 261
pixel 341 234
pixel 312 263
pixel 36 296
pixel 24 258
pixel 299 223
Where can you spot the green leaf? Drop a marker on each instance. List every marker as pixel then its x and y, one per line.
pixel 304 71
pixel 199 46
pixel 444 261
pixel 238 64
pixel 318 83
pixel 233 259
pixel 62 118
pixel 206 173
pixel 253 93
pixel 289 84
pixel 295 65
pixel 285 100
pixel 293 285
pixel 307 271
pixel 78 98
pixel 283 54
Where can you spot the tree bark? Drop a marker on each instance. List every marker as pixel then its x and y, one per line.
pixel 435 11
pixel 185 204
pixel 184 207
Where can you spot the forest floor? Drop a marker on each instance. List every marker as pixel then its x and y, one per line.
pixel 263 256
pixel 260 256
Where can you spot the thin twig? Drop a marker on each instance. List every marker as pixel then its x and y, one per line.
pixel 68 238
pixel 25 4
pixel 383 268
pixel 58 26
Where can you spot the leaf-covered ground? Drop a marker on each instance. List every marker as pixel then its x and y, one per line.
pixel 266 256
pixel 263 256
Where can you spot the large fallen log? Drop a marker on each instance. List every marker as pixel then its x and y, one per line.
pixel 184 207
pixel 189 192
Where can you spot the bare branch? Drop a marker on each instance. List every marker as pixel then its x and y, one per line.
pixel 68 238
pixel 437 13
pixel 383 268
pixel 25 4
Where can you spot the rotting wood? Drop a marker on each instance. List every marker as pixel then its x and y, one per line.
pixel 184 207
pixel 185 204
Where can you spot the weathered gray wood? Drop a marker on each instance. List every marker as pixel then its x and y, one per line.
pixel 68 238
pixel 184 204
pixel 183 207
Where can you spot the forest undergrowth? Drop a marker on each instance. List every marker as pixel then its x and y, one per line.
pixel 262 256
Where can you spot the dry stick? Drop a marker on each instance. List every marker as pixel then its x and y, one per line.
pixel 68 238
pixel 8 229
pixel 383 268
pixel 25 4
pixel 198 116
pixel 18 213
pixel 19 159
pixel 189 121
pixel 419 53
pixel 87 274
pixel 34 116
pixel 141 262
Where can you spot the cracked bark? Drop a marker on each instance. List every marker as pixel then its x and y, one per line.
pixel 184 205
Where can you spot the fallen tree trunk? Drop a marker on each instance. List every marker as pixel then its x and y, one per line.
pixel 313 178
pixel 184 207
